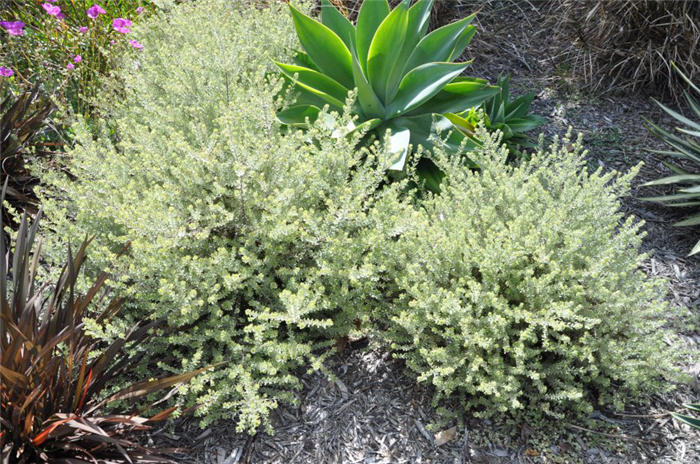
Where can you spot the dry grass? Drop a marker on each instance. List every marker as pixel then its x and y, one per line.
pixel 627 45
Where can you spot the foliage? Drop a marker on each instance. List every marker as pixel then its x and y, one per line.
pixel 55 378
pixel 22 118
pixel 255 246
pixel 686 147
pixel 499 112
pixel 405 79
pixel 690 420
pixel 66 46
pixel 628 44
pixel 520 289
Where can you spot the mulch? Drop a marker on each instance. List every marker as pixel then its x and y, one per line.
pixel 373 412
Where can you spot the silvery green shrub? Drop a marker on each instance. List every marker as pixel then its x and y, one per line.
pixel 520 289
pixel 255 247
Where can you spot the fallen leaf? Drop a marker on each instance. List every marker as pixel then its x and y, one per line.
pixel 531 452
pixel 444 436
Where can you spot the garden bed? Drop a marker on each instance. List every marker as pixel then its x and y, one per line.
pixel 374 413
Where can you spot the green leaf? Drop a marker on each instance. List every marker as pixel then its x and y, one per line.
pixel 683 178
pixel 368 126
pixel 369 103
pixel 525 124
pixel 691 221
pixel 691 421
pixel 324 47
pixel 438 45
pixel 316 83
pixel 421 84
pixel 667 198
pixel 678 116
pixel 696 249
pixel 338 23
pixel 430 175
pixel 297 115
pixel 463 41
pixel 458 96
pixel 418 21
pixel 371 15
pixel 693 406
pixel 382 56
pixel 461 123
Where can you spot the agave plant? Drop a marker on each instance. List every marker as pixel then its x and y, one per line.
pixel 405 79
pixel 499 112
pixel 21 119
pixel 685 147
pixel 694 422
pixel 53 385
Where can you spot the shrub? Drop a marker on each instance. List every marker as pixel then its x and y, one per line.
pixel 56 387
pixel 628 44
pixel 405 79
pixel 685 147
pixel 520 289
pixel 249 240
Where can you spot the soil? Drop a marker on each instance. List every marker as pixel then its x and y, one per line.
pixel 373 412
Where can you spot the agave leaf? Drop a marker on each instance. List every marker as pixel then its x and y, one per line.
pixel 421 84
pixel 520 107
pixel 397 146
pixel 429 174
pixel 418 20
pixel 439 44
pixel 525 124
pixel 304 60
pixel 324 47
pixel 691 421
pixel 369 18
pixel 368 125
pixel 317 83
pixel 299 115
pixel 382 57
pixel 683 178
pixel 370 104
pixel 338 23
pixel 462 42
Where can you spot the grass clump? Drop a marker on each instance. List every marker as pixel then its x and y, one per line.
pixel 520 289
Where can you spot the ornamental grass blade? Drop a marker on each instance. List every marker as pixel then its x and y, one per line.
pixel 371 15
pixel 691 421
pixel 317 83
pixel 382 57
pixel 439 44
pixel 691 221
pixel 338 23
pixel 696 249
pixel 682 178
pixel 693 406
pixel 421 84
pixel 324 47
pixel 678 116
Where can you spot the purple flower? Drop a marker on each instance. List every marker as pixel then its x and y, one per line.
pixel 139 10
pixel 6 72
pixel 53 10
pixel 121 25
pixel 60 15
pixel 78 58
pixel 135 44
pixel 13 27
pixel 70 66
pixel 95 10
pixel 83 29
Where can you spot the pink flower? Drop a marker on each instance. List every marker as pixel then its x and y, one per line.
pixel 70 66
pixel 53 10
pixel 135 44
pixel 121 25
pixel 95 10
pixel 13 27
pixel 60 15
pixel 111 42
pixel 6 72
pixel 83 29
pixel 78 58
pixel 139 10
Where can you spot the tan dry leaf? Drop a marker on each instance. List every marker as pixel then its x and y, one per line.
pixel 445 436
